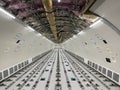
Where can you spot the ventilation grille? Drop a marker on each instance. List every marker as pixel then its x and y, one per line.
pixel 5 73
pixel 109 73
pixel 104 71
pixel 11 70
pixel 96 66
pixel 15 68
pixel 90 63
pixel 116 77
pixel 100 68
pixel 19 65
pixel 22 64
pixel 93 65
pixel 0 76
pixel 25 62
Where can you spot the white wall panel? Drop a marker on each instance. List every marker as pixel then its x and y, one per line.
pixel 109 9
pixel 90 45
pixel 30 44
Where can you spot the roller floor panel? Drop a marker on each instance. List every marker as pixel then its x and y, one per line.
pixel 57 70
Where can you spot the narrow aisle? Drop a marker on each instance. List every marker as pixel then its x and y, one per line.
pixel 53 79
pixel 73 84
pixel 63 77
pixel 45 79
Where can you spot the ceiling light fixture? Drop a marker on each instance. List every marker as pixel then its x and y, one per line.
pixel 7 13
pixel 70 38
pixel 30 28
pixel 59 0
pixel 95 23
pixel 39 34
pixel 81 32
pixel 74 36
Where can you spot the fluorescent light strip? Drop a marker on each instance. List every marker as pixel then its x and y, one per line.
pixel 95 23
pixel 74 36
pixel 7 13
pixel 59 0
pixel 81 32
pixel 70 38
pixel 39 34
pixel 30 28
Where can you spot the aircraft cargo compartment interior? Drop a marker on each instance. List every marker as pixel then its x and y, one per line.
pixel 59 44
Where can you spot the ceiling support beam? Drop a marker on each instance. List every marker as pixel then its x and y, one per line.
pixel 48 6
pixel 87 6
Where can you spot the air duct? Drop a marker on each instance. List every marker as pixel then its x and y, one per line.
pixel 50 16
